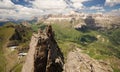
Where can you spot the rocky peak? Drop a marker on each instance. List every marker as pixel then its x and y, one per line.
pixel 44 54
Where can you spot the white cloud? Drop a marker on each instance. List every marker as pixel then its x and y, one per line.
pixel 80 0
pixel 11 10
pixel 39 7
pixel 6 4
pixel 114 12
pixel 58 4
pixel 49 4
pixel 112 2
pixel 96 7
pixel 78 4
pixel 101 10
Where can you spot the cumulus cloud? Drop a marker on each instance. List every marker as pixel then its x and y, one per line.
pixel 78 4
pixel 112 2
pixel 49 4
pixel 40 7
pixel 25 11
pixel 97 8
pixel 6 4
pixel 11 10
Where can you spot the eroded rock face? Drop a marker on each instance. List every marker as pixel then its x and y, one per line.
pixel 80 62
pixel 44 54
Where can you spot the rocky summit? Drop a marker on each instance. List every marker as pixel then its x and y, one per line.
pixel 44 54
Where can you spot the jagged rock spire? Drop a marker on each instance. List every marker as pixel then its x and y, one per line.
pixel 44 54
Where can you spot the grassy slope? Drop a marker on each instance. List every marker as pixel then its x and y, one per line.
pixel 8 59
pixel 100 49
pixel 5 33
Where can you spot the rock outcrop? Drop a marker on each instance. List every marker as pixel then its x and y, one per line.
pixel 44 54
pixel 21 33
pixel 80 62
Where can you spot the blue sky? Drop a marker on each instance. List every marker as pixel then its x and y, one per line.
pixel 29 8
pixel 94 3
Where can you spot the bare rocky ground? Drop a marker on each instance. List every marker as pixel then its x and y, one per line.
pixel 80 62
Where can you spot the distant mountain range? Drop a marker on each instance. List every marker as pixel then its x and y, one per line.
pixel 100 18
pixel 3 21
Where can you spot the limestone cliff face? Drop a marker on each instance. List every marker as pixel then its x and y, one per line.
pixel 44 54
pixel 80 62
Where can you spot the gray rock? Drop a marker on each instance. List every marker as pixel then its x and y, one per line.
pixel 80 62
